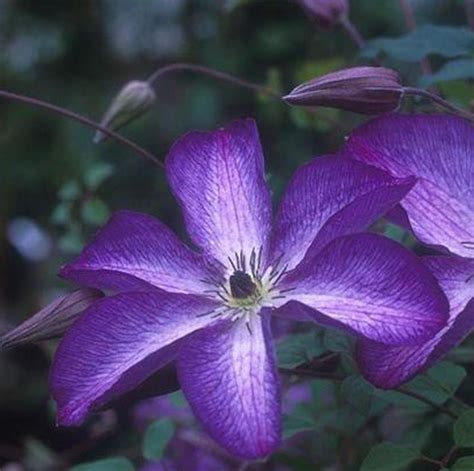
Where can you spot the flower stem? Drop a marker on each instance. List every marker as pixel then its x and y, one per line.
pixel 439 101
pixel 36 103
pixel 216 74
pixel 352 31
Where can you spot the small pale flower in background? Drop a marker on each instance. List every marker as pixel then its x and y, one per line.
pixel 132 101
pixel 209 310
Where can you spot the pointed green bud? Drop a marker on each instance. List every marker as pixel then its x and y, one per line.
pixel 53 320
pixel 365 90
pixel 133 100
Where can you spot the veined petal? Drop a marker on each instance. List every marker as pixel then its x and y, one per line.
pixel 218 178
pixel 389 366
pixel 373 285
pixel 228 375
pixel 135 250
pixel 117 344
pixel 331 197
pixel 437 150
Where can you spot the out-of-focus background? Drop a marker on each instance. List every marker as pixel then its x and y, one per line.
pixel 57 187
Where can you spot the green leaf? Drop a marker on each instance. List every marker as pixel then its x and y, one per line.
pixel 388 457
pixel 157 437
pixel 70 191
pixel 61 214
pixel 463 464
pixel 296 423
pixel 96 175
pixel 440 382
pixel 109 464
pixel 358 393
pixel 445 41
pixel 464 429
pixel 94 212
pixel 459 69
pixel 296 349
pixel 336 341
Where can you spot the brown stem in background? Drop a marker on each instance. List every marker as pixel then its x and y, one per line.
pixel 352 31
pixel 410 22
pixel 35 102
pixel 469 4
pixel 216 74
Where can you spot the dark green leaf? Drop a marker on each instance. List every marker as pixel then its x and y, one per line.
pixel 358 393
pixel 296 349
pixel 446 41
pixel 94 212
pixel 157 437
pixel 464 429
pixel 463 464
pixel 296 423
pixel 96 175
pixel 109 464
pixel 336 341
pixel 70 191
pixel 459 69
pixel 388 457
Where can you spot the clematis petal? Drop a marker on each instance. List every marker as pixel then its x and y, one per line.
pixel 117 344
pixel 218 178
pixel 388 367
pixel 328 198
pixel 135 250
pixel 438 151
pixel 372 285
pixel 228 375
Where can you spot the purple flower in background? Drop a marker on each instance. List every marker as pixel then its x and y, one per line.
pixel 439 210
pixel 209 310
pixel 439 151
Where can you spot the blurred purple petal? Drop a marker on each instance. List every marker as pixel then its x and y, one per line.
pixel 388 367
pixel 218 178
pixel 437 150
pixel 136 251
pixel 328 198
pixel 374 286
pixel 228 375
pixel 117 344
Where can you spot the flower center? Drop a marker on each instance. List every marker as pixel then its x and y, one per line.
pixel 241 285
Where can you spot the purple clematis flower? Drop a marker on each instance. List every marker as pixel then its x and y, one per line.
pixel 439 151
pixel 439 210
pixel 209 310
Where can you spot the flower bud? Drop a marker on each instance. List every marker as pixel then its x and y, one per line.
pixel 53 320
pixel 133 100
pixel 326 13
pixel 365 90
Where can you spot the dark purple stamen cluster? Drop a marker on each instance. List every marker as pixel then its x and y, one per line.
pixel 241 285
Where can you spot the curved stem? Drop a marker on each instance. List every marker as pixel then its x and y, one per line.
pixel 352 31
pixel 439 101
pixel 216 74
pixel 35 102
